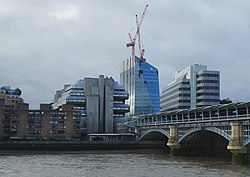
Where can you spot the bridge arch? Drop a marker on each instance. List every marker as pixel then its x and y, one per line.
pixel 205 141
pixel 161 131
pixel 210 129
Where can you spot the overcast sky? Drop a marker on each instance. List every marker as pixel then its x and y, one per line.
pixel 47 43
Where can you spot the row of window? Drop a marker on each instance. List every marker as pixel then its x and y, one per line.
pixel 41 126
pixel 78 108
pixel 208 88
pixel 176 85
pixel 174 91
pixel 76 94
pixel 208 100
pixel 58 126
pixel 79 116
pixel 58 122
pixel 176 103
pixel 208 81
pixel 55 117
pixel 207 75
pixel 33 132
pixel 208 94
pixel 36 127
pixel 58 113
pixel 39 112
pixel 177 96
pixel 77 101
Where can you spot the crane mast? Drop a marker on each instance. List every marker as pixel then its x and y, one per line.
pixel 137 35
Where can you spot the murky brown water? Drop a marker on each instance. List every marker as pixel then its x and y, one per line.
pixel 115 164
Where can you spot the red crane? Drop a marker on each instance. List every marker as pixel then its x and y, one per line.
pixel 137 35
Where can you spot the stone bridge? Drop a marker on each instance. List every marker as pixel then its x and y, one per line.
pixel 213 126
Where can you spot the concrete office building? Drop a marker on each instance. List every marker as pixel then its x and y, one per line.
pixel 194 86
pixel 140 80
pixel 99 101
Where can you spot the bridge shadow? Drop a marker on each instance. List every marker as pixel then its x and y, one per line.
pixel 204 143
pixel 157 139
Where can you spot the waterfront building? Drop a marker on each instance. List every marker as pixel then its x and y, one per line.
pixel 11 96
pixel 90 106
pixel 73 95
pixel 99 101
pixel 194 86
pixel 140 80
pixel 45 123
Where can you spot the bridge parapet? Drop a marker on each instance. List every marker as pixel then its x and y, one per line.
pixel 210 114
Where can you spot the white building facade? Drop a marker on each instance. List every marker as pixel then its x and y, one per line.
pixel 194 86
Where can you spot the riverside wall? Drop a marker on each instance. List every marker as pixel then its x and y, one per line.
pixel 77 145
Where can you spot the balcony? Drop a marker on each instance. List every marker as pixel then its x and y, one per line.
pixel 118 96
pixel 121 108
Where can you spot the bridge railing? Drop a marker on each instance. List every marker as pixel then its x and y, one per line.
pixel 150 121
pixel 220 113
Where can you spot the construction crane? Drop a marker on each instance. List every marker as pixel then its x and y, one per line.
pixel 137 35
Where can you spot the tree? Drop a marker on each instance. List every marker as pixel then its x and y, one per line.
pixel 18 91
pixel 225 101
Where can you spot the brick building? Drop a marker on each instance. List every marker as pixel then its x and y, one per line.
pixel 46 123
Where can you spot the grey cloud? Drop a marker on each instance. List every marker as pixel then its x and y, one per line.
pixel 45 44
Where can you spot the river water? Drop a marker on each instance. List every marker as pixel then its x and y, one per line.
pixel 114 164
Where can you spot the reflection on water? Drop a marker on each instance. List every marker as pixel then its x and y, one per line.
pixel 115 163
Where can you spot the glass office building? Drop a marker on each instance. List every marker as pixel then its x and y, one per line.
pixel 140 80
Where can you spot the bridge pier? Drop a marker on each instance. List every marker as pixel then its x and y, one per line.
pixel 173 141
pixel 239 152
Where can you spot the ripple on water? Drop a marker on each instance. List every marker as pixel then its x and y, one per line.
pixel 115 164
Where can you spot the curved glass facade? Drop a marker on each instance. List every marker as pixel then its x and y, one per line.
pixel 140 80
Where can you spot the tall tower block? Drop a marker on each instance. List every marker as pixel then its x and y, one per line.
pixel 140 79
